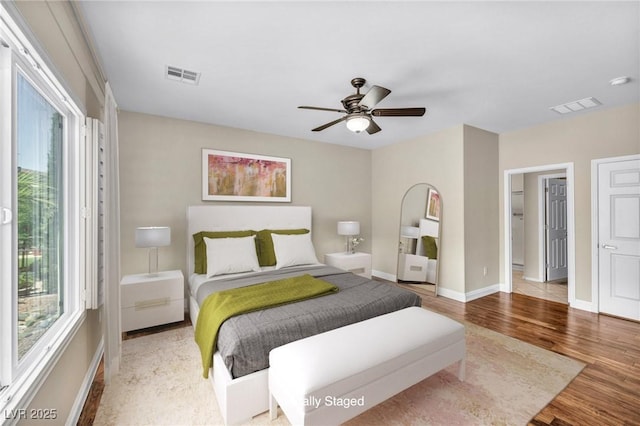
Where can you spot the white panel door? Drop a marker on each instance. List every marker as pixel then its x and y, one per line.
pixel 619 238
pixel 556 229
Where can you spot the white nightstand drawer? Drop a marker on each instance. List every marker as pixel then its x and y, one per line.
pixel 412 267
pixel 148 300
pixel 142 287
pixel 152 312
pixel 358 263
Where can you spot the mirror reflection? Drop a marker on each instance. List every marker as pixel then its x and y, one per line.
pixel 419 236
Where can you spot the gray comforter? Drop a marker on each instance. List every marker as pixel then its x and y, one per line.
pixel 244 341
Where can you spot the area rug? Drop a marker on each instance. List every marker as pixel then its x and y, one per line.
pixel 507 383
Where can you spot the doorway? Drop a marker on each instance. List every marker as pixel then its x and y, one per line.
pixel 527 272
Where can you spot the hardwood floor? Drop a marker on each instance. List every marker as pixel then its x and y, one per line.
pixel 554 291
pixel 92 402
pixel 606 392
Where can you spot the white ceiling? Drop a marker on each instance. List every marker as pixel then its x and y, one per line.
pixel 494 65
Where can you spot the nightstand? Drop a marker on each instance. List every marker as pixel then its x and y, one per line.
pixel 412 267
pixel 358 263
pixel 152 300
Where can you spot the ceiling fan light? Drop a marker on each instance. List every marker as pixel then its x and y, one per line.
pixel 358 123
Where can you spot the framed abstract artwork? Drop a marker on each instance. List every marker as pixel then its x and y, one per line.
pixel 433 205
pixel 234 176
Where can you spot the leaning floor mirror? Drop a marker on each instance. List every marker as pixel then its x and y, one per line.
pixel 420 236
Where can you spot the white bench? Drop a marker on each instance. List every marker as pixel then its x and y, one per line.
pixel 332 377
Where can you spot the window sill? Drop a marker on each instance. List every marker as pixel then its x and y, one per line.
pixel 16 397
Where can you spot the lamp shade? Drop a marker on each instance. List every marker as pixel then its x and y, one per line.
pixel 358 123
pixel 153 236
pixel 409 232
pixel 349 228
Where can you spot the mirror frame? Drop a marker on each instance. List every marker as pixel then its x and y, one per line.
pixel 399 247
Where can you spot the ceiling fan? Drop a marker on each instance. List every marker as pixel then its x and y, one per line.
pixel 357 107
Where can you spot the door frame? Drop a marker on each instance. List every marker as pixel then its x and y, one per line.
pixel 595 275
pixel 571 239
pixel 542 214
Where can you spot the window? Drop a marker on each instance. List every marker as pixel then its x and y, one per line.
pixel 40 210
pixel 42 250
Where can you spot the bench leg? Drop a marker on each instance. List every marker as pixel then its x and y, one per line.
pixel 273 408
pixel 461 369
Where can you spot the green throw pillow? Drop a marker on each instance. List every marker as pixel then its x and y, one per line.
pixel 200 248
pixel 264 244
pixel 430 247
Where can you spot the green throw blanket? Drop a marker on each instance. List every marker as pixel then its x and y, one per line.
pixel 220 306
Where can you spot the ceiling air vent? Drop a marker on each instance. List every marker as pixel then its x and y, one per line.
pixel 185 76
pixel 576 105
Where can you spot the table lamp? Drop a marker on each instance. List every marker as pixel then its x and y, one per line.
pixel 152 237
pixel 411 233
pixel 350 229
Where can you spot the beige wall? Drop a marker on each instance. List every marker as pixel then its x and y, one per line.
pixel 578 140
pixel 160 175
pixel 462 163
pixel 436 159
pixel 481 245
pixel 54 26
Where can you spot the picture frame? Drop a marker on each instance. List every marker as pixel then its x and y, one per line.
pixel 235 176
pixel 433 205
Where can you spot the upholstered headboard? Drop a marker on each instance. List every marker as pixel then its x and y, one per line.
pixel 239 218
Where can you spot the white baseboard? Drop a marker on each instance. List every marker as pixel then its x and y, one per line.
pixel 535 280
pixel 383 275
pixel 445 292
pixel 451 294
pixel 481 292
pixel 83 393
pixel 468 297
pixel 583 305
pixel 476 294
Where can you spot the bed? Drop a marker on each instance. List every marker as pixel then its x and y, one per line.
pixel 240 363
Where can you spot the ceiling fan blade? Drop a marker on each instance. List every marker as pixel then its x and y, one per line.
pixel 324 126
pixel 398 112
pixel 323 109
pixel 373 96
pixel 373 127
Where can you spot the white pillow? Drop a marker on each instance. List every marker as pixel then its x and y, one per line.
pixel 231 255
pixel 293 249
